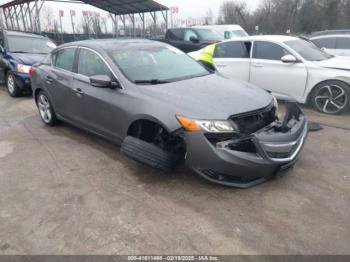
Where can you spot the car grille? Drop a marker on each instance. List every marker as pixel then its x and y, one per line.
pixel 252 122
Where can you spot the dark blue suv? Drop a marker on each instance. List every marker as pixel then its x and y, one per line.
pixel 18 52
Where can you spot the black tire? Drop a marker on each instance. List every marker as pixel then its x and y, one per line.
pixel 11 86
pixel 331 97
pixel 43 103
pixel 148 154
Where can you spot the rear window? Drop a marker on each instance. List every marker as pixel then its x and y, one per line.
pixel 175 34
pixel 233 50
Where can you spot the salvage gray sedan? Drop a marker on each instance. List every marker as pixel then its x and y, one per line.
pixel 164 108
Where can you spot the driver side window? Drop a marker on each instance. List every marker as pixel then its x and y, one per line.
pixel 189 34
pixel 90 64
pixel 268 51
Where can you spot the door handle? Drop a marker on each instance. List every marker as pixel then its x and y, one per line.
pixel 78 92
pixel 49 80
pixel 258 65
pixel 221 65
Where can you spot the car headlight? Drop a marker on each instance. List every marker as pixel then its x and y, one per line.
pixel 211 126
pixel 23 68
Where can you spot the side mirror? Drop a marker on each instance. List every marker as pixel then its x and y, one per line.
pixel 101 81
pixel 289 59
pixel 2 50
pixel 194 40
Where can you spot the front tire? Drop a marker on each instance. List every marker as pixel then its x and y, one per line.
pixel 148 154
pixel 46 110
pixel 11 85
pixel 331 97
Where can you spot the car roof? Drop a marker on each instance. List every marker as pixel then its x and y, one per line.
pixel 232 27
pixel 272 38
pixel 16 33
pixel 110 44
pixel 329 36
pixel 330 32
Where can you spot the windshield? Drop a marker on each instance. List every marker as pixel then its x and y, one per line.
pixel 156 64
pixel 32 45
pixel 308 50
pixel 208 35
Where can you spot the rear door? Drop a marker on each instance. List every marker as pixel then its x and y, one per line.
pixel 100 106
pixel 59 84
pixel 175 37
pixel 285 80
pixel 232 59
pixel 343 46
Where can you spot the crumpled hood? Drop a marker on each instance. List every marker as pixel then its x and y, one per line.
pixel 28 59
pixel 208 97
pixel 337 62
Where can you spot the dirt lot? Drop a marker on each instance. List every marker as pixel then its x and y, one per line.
pixel 63 191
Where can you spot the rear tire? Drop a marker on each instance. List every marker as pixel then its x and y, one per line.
pixel 11 85
pixel 331 97
pixel 46 110
pixel 148 154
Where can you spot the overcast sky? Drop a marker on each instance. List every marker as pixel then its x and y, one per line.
pixel 187 8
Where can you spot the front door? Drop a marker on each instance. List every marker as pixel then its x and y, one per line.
pixel 284 80
pixel 100 105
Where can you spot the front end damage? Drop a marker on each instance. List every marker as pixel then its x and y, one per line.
pixel 264 147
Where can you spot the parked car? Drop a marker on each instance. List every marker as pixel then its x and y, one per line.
pixel 226 31
pixel 191 39
pixel 289 67
pixel 164 107
pixel 18 52
pixel 331 32
pixel 333 44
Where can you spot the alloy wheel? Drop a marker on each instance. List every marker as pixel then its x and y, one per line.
pixel 11 84
pixel 331 99
pixel 44 108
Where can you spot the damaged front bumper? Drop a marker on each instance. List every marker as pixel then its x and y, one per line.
pixel 249 160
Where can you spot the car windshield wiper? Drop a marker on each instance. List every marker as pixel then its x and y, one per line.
pixel 151 82
pixel 19 52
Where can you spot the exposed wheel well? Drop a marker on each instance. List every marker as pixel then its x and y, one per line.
pixel 145 130
pixel 154 133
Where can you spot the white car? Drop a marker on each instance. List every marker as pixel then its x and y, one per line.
pixel 289 67
pixel 333 44
pixel 226 31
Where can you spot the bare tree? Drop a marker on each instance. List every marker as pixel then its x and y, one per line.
pixel 209 17
pixel 297 16
pixel 49 20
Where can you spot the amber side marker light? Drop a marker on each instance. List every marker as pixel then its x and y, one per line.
pixel 188 124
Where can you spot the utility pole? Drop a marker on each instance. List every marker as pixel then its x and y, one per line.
pixel 61 14
pixel 72 14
